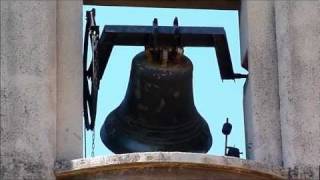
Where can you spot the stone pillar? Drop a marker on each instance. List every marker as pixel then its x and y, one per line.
pixel 298 46
pixel 28 89
pixel 69 79
pixel 261 98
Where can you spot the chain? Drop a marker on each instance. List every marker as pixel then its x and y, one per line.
pixel 85 143
pixel 93 145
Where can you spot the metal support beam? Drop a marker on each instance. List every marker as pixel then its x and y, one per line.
pixel 113 35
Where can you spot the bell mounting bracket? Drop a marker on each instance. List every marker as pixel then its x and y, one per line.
pixel 150 37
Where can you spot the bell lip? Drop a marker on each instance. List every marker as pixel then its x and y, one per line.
pixel 115 143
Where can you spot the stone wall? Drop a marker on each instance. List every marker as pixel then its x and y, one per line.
pixel 282 93
pixel 28 89
pixel 298 47
pixel 261 93
pixel 69 84
pixel 41 86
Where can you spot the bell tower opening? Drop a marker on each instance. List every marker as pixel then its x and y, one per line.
pixel 214 99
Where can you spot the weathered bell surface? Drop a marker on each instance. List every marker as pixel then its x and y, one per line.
pixel 158 111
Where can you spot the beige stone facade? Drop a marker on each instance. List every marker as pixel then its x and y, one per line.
pixel 41 86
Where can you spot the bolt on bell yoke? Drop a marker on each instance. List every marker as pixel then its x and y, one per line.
pixel 158 112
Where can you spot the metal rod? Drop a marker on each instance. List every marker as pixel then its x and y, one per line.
pixel 226 141
pixel 226 145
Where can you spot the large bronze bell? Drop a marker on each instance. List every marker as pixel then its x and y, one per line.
pixel 158 111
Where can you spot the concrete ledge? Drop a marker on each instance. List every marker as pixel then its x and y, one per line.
pixel 166 165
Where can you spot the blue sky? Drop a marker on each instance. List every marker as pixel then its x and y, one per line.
pixel 215 100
